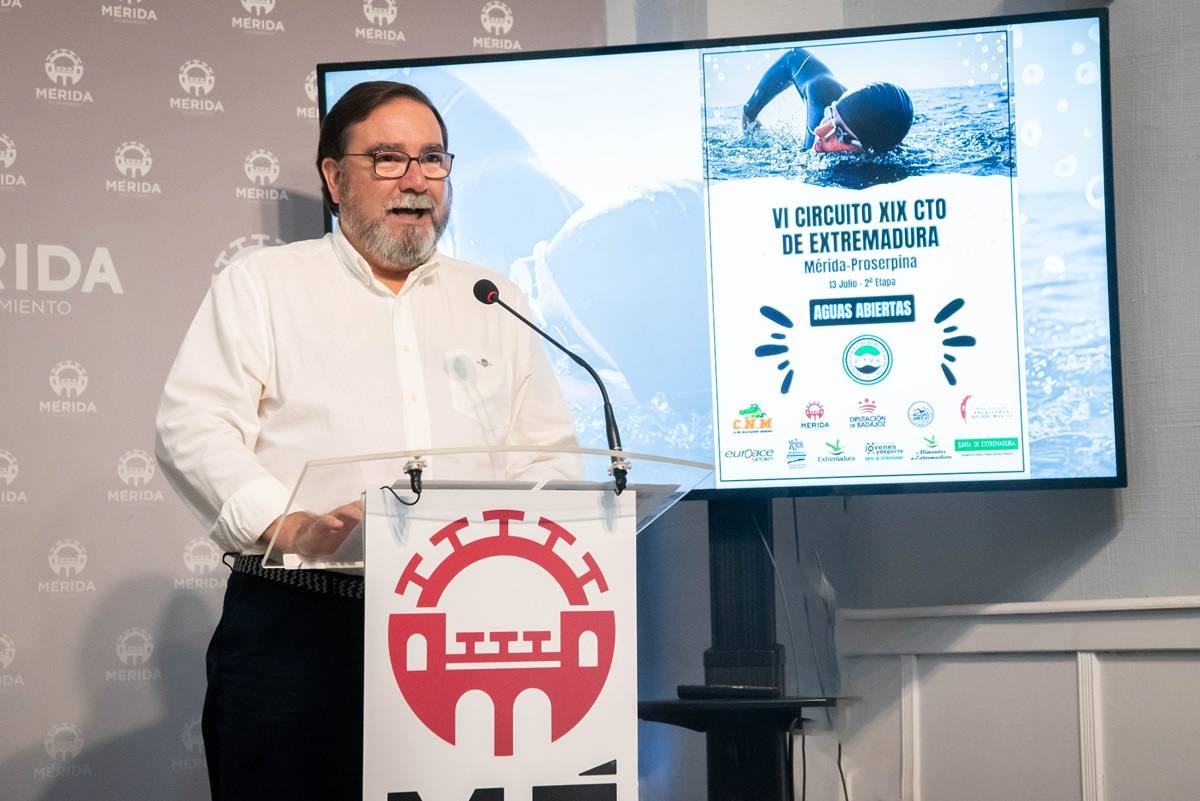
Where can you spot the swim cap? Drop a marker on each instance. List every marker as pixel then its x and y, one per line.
pixel 878 114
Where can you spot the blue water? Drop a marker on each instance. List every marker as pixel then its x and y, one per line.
pixel 962 130
pixel 1068 353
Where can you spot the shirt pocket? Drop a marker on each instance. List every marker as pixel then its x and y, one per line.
pixel 481 389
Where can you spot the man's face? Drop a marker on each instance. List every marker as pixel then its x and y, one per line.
pixel 393 222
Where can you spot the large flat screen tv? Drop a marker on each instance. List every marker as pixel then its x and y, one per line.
pixel 853 261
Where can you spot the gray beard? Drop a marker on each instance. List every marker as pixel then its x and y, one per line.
pixel 411 248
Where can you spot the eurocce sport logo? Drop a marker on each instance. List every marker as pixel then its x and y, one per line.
pixel 502 663
pixel 867 359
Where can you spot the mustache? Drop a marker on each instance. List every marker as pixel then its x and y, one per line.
pixel 410 202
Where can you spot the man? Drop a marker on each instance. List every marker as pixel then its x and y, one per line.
pixel 365 340
pixel 875 117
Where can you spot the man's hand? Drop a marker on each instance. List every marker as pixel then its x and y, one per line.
pixel 311 535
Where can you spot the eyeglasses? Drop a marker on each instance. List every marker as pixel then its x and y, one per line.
pixel 434 164
pixel 843 134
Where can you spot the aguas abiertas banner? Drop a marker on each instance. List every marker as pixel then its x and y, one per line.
pixel 500 646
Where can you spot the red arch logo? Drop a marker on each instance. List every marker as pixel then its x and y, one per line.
pixel 571 683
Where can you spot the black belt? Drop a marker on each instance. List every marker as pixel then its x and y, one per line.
pixel 342 585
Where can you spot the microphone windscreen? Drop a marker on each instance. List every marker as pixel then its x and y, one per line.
pixel 486 291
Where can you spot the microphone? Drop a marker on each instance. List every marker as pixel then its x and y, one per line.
pixel 487 293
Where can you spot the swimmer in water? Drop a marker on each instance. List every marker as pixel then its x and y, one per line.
pixel 875 117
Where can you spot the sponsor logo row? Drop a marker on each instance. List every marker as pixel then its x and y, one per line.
pixel 866 414
pixel 799 453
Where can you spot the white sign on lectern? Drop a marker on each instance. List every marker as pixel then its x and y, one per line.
pixel 500 649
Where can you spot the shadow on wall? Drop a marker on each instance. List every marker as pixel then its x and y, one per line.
pixel 162 675
pixel 301 216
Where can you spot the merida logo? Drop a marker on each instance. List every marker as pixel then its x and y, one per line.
pixel 262 169
pixel 133 161
pixel 8 157
pixel 135 468
pixel 202 558
pixel 130 11
pixel 64 68
pixel 379 13
pixel 134 648
pixel 193 743
pixel 68 380
pixel 497 19
pixel 197 80
pixel 309 112
pixel 63 743
pixel 258 22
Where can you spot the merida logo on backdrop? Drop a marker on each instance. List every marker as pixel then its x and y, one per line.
pixel 9 470
pixel 133 161
pixel 262 169
pixel 8 655
pixel 129 11
pixel 259 18
pixel 7 4
pixel 63 742
pixel 134 648
pixel 69 381
pixel 193 743
pixel 309 112
pixel 68 559
pixel 197 80
pixel 202 557
pixel 381 14
pixel 8 157
pixel 64 68
pixel 497 19
pixel 135 468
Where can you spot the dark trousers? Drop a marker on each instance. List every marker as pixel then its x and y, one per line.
pixel 283 711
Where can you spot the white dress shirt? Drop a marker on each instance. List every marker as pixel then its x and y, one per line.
pixel 298 352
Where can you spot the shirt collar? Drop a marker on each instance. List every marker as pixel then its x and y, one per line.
pixel 353 261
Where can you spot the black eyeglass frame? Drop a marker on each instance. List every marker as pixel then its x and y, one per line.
pixel 395 155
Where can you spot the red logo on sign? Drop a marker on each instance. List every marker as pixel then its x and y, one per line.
pixel 571 677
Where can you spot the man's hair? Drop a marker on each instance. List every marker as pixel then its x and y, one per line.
pixel 355 106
